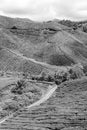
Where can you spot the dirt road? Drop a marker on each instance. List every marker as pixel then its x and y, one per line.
pixel 44 98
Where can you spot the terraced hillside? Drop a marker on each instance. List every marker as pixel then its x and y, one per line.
pixel 64 110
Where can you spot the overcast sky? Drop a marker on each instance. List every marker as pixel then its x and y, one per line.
pixel 41 10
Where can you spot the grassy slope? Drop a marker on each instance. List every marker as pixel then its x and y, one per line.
pixel 48 42
pixel 67 108
pixel 9 61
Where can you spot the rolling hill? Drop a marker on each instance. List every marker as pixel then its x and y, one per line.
pixel 48 42
pixel 53 94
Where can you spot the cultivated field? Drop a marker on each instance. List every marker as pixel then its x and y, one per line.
pixel 64 110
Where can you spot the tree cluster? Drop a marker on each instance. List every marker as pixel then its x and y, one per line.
pixel 75 72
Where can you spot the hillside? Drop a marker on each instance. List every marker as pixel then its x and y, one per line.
pixel 43 75
pixel 66 109
pixel 48 42
pixel 11 62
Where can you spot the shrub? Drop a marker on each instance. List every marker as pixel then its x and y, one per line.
pixel 33 78
pixel 43 75
pixel 11 107
pixel 85 69
pixel 69 23
pixel 73 75
pixel 85 28
pixel 19 87
pixel 14 27
pixel 76 71
pixel 49 78
pixel 65 77
pixel 57 82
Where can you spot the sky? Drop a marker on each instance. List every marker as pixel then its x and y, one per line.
pixel 43 10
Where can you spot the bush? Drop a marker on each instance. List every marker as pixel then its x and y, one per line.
pixel 50 78
pixel 11 107
pixel 57 82
pixel 85 28
pixel 65 77
pixel 69 23
pixel 76 71
pixel 85 69
pixel 19 87
pixel 61 77
pixel 73 75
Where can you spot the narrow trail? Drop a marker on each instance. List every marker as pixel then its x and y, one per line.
pixel 44 98
pixel 30 59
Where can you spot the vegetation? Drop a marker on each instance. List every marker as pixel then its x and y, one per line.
pixel 73 24
pixel 85 28
pixel 70 23
pixel 61 60
pixel 19 87
pixel 10 107
pixel 75 72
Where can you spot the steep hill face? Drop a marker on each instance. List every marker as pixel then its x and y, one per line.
pixel 49 42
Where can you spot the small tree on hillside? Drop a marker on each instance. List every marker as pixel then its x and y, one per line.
pixel 76 71
pixel 50 78
pixel 85 28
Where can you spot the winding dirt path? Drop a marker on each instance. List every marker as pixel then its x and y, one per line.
pixel 44 98
pixel 30 59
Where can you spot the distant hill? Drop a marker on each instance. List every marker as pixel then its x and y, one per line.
pixel 49 42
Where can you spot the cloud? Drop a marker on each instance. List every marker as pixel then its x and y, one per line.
pixel 45 9
pixel 71 9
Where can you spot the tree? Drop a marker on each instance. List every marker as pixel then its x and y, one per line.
pixel 14 27
pixel 50 78
pixel 65 77
pixel 85 28
pixel 76 71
